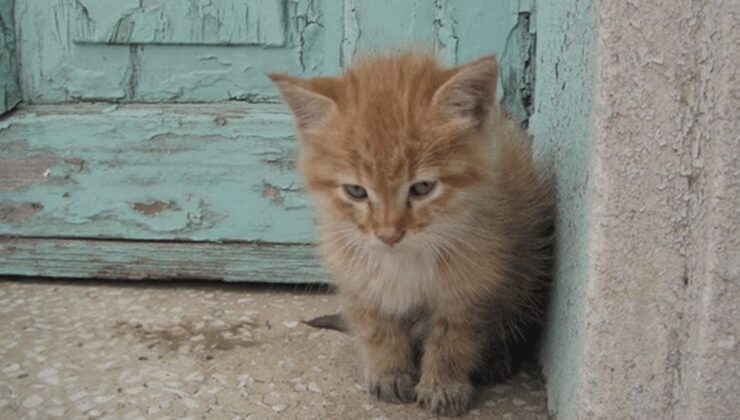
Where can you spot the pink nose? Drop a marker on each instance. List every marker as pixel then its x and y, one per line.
pixel 390 239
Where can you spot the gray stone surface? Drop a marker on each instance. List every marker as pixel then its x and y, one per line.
pixel 644 317
pixel 203 351
pixel 662 300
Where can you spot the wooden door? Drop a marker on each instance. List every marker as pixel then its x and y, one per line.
pixel 150 144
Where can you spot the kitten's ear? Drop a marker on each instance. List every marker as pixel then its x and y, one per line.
pixel 470 92
pixel 309 107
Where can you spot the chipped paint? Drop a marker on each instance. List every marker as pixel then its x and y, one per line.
pixel 153 208
pixel 161 22
pixel 221 50
pixel 19 173
pixel 164 172
pixel 447 41
pixel 351 32
pixel 517 71
pixel 137 260
pixel 272 193
pixel 14 213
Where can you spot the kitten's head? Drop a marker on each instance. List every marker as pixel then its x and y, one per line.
pixel 395 147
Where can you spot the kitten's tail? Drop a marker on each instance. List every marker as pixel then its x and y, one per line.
pixel 329 322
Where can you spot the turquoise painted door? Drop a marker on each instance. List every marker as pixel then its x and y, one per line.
pixel 150 144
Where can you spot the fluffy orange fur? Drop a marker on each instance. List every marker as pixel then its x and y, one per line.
pixel 432 284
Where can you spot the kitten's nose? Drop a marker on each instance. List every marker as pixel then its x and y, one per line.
pixel 390 238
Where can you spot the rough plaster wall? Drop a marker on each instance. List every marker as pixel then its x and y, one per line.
pixel 660 339
pixel 562 131
pixel 712 368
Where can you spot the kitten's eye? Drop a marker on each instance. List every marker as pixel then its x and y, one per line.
pixel 420 189
pixel 355 191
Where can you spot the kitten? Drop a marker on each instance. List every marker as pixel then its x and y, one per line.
pixel 432 220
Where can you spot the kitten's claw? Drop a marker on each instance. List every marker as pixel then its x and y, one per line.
pixel 451 399
pixel 393 388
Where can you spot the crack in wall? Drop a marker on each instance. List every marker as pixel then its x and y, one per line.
pixel 446 39
pixel 132 72
pixel 351 33
pixel 517 66
pixel 307 20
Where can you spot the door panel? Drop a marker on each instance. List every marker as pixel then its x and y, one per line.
pixel 10 93
pixel 215 50
pixel 221 172
pixel 189 22
pixel 173 51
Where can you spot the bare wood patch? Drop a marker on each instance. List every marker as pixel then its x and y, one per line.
pixel 18 212
pixel 16 174
pixel 154 207
pixel 272 193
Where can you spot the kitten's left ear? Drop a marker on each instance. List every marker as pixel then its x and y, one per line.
pixel 308 106
pixel 470 92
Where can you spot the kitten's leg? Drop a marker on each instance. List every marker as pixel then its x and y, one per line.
pixel 452 350
pixel 388 353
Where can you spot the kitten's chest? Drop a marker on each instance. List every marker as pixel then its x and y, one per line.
pixel 399 283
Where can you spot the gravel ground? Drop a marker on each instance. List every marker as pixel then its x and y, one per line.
pixel 130 350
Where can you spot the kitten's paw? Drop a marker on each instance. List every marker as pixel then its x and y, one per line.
pixel 393 387
pixel 450 399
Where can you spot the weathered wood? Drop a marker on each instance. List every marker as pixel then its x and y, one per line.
pixel 183 51
pixel 192 22
pixel 165 172
pixel 47 257
pixel 10 93
pixel 154 51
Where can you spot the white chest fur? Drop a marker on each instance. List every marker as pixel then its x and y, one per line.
pixel 399 281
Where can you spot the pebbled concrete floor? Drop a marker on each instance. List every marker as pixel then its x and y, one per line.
pixel 126 350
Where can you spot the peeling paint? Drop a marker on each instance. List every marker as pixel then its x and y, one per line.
pixel 272 193
pixel 136 260
pixel 18 212
pixel 153 208
pixel 309 23
pixel 16 174
pixel 79 50
pixel 284 160
pixel 164 172
pixel 447 40
pixel 350 32
pixel 222 22
pixel 517 71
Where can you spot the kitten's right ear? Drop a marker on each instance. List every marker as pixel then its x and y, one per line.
pixel 470 92
pixel 309 107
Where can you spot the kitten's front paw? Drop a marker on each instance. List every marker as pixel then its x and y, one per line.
pixel 393 387
pixel 450 399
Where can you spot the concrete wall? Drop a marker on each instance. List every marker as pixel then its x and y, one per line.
pixel 646 145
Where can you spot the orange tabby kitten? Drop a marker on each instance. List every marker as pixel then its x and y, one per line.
pixel 432 219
